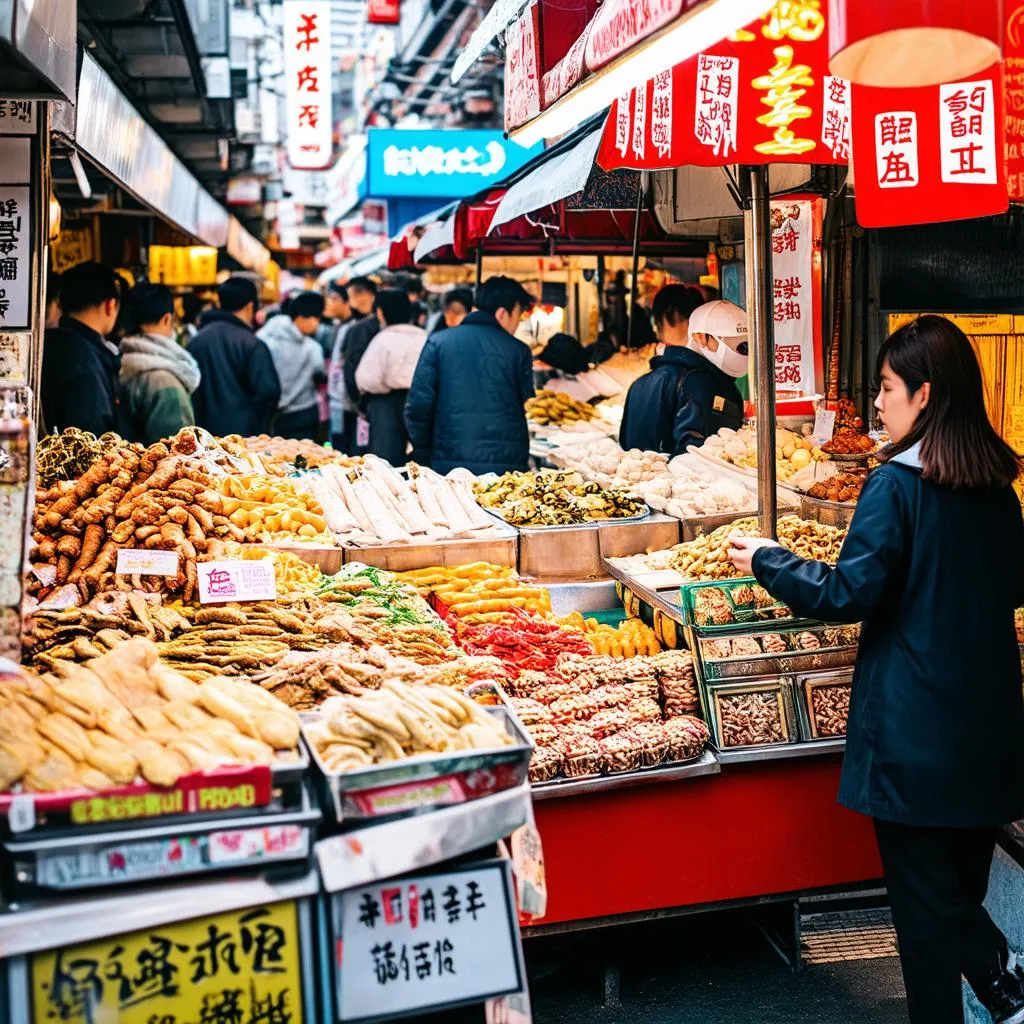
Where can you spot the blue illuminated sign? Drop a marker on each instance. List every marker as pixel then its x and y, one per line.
pixel 442 164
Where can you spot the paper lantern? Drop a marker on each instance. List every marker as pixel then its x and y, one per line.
pixel 907 43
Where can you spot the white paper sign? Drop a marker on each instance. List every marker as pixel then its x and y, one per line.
pixel 967 133
pixel 14 350
pixel 21 815
pixel 437 941
pixel 793 297
pixel 143 562
pixel 824 425
pixel 307 83
pixel 230 580
pixel 15 255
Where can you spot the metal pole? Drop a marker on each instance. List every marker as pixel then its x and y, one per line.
pixel 634 285
pixel 479 266
pixel 761 323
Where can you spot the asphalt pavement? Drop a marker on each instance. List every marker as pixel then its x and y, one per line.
pixel 715 969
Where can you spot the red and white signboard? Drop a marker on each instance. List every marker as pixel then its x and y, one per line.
pixel 307 72
pixel 929 154
pixel 796 264
pixel 384 12
pixel 522 68
pixel 1013 69
pixel 762 96
pixel 568 72
pixel 620 24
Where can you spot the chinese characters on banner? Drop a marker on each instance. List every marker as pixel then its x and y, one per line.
pixel 929 154
pixel 762 96
pixel 522 68
pixel 1013 68
pixel 235 968
pixel 409 945
pixel 797 330
pixel 309 120
pixel 15 255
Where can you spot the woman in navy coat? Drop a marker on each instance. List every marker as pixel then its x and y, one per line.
pixel 934 567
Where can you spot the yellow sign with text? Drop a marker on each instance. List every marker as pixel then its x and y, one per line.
pixel 235 968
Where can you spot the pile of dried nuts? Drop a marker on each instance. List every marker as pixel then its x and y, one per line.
pixel 830 708
pixel 749 719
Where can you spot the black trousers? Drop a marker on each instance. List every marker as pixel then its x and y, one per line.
pixel 345 442
pixel 937 880
pixel 299 426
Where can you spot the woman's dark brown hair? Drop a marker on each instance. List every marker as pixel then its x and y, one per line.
pixel 959 447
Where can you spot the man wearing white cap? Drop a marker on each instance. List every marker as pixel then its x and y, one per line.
pixel 690 392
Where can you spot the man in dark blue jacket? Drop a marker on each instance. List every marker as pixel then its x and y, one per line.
pixel 465 406
pixel 239 390
pixel 690 392
pixel 80 370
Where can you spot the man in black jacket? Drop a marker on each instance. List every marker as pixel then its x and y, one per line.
pixel 354 344
pixel 465 406
pixel 690 392
pixel 239 390
pixel 80 370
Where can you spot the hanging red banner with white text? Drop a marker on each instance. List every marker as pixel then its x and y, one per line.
pixel 930 154
pixel 763 96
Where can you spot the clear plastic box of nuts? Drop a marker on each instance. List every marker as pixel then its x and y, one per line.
pixel 823 700
pixel 752 714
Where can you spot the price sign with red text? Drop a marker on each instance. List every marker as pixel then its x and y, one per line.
pixel 307 79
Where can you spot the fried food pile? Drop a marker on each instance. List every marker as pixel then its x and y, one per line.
pixel 125 717
pixel 555 499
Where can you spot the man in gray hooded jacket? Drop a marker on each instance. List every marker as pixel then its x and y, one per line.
pixel 158 377
pixel 299 361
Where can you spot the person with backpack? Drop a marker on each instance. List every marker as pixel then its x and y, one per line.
pixel 690 391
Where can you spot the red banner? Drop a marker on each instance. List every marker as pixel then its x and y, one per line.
pixel 763 96
pixel 1013 56
pixel 930 154
pixel 522 68
pixel 620 24
pixel 384 12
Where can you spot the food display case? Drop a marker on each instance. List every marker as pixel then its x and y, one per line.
pixel 823 704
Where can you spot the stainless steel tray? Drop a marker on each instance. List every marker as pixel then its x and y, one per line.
pixel 780 752
pixel 571 526
pixel 401 788
pixel 787 663
pixel 671 771
pixel 498 550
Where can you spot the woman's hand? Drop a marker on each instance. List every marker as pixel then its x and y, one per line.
pixel 742 549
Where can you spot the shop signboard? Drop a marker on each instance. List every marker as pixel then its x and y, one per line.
pixel 429 942
pixel 930 154
pixel 620 24
pixel 384 12
pixel 309 120
pixel 431 163
pixel 18 117
pixel 796 267
pixel 242 966
pixel 762 96
pixel 15 255
pixel 522 68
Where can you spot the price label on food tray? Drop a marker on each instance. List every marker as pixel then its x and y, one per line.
pixel 236 580
pixel 241 966
pixel 427 943
pixel 824 425
pixel 142 562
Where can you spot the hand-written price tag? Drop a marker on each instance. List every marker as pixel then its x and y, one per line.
pixel 429 942
pixel 21 815
pixel 236 581
pixel 143 562
pixel 824 425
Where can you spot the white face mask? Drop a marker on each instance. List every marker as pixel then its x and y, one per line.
pixel 726 358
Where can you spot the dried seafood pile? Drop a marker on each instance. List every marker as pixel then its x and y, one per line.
pixel 555 499
pixel 400 721
pixel 126 716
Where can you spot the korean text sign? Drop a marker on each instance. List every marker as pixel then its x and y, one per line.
pixel 241 967
pixel 427 942
pixel 441 164
pixel 309 120
pixel 930 154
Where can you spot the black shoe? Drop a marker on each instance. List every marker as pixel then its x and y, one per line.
pixel 1004 996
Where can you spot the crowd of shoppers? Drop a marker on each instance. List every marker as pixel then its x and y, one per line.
pixel 354 364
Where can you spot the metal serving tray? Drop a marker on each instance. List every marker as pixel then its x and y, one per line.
pixel 668 771
pixel 498 550
pixel 429 781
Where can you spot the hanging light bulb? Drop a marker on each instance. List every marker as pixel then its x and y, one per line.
pixel 908 43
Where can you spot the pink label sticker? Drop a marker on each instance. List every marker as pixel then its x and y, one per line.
pixel 236 580
pixel 392 799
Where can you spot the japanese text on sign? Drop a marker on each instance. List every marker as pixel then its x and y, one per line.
pixel 307 70
pixel 418 162
pixel 237 580
pixel 896 149
pixel 967 133
pixel 237 968
pixel 715 110
pixel 425 942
